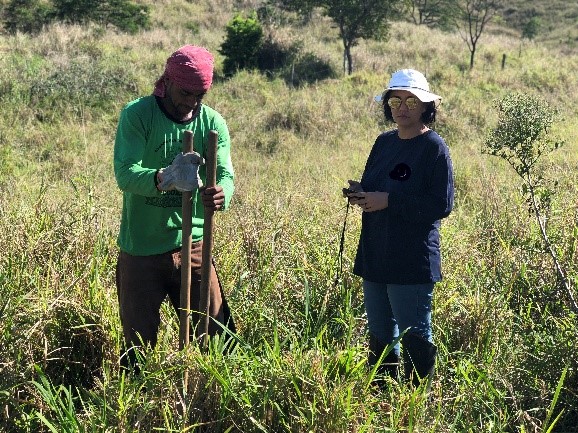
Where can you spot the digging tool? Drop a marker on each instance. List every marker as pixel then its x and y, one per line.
pixel 185 300
pixel 210 181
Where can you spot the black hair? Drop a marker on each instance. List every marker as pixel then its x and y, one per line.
pixel 427 117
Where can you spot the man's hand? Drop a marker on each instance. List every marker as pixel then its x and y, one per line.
pixel 182 174
pixel 213 197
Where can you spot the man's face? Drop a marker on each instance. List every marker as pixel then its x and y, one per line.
pixel 181 103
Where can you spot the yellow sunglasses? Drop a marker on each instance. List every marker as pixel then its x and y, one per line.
pixel 395 102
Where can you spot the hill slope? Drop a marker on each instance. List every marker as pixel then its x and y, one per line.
pixel 558 19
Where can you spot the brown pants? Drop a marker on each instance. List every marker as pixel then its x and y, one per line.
pixel 143 282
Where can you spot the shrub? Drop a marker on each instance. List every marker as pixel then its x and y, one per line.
pixel 242 44
pixel 308 68
pixel 73 11
pixel 291 64
pixel 26 16
pixel 531 28
pixel 127 16
pixel 30 16
pixel 274 56
pixel 123 14
pixel 523 137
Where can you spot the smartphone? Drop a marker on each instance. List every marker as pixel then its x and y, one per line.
pixel 347 191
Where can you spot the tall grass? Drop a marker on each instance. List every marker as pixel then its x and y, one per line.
pixel 505 334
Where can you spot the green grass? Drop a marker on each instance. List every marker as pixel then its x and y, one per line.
pixel 506 335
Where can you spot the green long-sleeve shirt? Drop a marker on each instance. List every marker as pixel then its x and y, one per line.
pixel 146 141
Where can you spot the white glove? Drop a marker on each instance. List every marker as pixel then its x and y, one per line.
pixel 182 174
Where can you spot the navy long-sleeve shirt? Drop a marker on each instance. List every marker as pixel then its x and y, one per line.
pixel 401 244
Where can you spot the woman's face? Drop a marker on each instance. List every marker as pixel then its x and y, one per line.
pixel 406 109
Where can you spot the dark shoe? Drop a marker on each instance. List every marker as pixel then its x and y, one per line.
pixel 389 363
pixel 419 357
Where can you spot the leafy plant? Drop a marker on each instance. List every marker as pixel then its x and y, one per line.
pixel 522 137
pixel 295 66
pixel 124 14
pixel 355 19
pixel 28 16
pixel 242 43
pixel 427 12
pixel 60 402
pixel 358 19
pixel 308 68
pixel 531 28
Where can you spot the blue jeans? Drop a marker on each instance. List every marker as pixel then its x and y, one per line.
pixel 394 307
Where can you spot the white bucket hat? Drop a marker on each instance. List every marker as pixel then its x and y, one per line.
pixel 413 81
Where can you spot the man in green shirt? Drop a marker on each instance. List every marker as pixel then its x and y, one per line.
pixel 151 172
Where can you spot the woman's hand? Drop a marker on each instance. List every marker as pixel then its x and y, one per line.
pixel 370 201
pixel 367 201
pixel 355 186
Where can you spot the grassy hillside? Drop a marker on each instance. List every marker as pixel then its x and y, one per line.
pixel 504 327
pixel 558 20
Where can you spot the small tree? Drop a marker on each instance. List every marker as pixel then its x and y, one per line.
pixel 432 13
pixel 531 28
pixel 522 137
pixel 359 19
pixel 471 19
pixel 242 44
pixel 355 19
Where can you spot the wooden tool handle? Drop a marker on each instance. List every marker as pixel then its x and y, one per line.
pixel 187 215
pixel 211 179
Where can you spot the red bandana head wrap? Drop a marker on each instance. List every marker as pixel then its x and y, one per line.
pixel 189 67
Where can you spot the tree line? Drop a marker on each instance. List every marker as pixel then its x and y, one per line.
pixel 30 16
pixel 247 46
pixel 370 19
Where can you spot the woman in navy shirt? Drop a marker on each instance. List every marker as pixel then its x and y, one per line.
pixel 405 190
